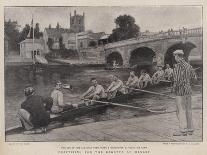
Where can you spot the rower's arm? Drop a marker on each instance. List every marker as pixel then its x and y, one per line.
pixel 87 92
pixel 127 83
pixel 135 81
pixel 116 87
pixel 110 86
pixel 60 99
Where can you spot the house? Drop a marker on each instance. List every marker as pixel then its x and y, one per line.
pixel 53 36
pixel 28 49
pixel 88 39
pixel 69 40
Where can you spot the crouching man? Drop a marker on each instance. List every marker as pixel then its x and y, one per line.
pixel 34 111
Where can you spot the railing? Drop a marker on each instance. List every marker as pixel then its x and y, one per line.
pixel 182 33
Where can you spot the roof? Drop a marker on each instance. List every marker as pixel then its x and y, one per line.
pixel 31 40
pixel 96 36
pixel 56 32
pixel 106 36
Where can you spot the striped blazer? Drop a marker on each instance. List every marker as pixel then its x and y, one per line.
pixel 183 74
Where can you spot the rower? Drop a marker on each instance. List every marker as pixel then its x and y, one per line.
pixel 116 88
pixel 158 75
pixel 132 80
pixel 168 75
pixel 34 112
pixel 95 92
pixel 57 96
pixel 115 65
pixel 144 79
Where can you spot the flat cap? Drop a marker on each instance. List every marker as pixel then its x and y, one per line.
pixel 178 52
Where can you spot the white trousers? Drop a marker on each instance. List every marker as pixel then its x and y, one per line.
pixel 184 113
pixel 25 119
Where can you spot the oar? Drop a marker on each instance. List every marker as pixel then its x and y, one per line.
pixel 151 92
pixel 123 105
pixel 166 81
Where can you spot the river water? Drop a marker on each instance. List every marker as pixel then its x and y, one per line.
pixel 16 78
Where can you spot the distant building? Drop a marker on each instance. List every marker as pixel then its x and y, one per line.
pixel 88 39
pixel 77 23
pixel 52 36
pixel 29 50
pixel 74 38
pixel 69 40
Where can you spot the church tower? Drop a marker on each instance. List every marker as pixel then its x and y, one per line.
pixel 77 22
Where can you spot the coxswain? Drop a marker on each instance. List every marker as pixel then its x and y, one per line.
pixel 132 81
pixel 34 113
pixel 168 73
pixel 95 92
pixel 116 88
pixel 144 79
pixel 158 75
pixel 183 77
pixel 57 96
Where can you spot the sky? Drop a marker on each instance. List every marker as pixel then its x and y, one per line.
pixel 101 19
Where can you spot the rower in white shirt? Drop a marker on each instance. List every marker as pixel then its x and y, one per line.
pixel 168 75
pixel 95 92
pixel 158 75
pixel 144 79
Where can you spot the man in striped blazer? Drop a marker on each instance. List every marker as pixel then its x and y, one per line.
pixel 183 75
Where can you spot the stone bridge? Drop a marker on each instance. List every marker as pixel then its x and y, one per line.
pixel 157 48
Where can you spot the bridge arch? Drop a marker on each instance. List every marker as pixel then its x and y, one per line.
pixel 114 56
pixel 141 56
pixel 186 47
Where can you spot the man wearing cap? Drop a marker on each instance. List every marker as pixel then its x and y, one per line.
pixel 158 75
pixel 33 112
pixel 183 76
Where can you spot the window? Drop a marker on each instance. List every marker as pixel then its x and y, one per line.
pixel 81 44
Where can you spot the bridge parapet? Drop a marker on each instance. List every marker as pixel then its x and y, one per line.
pixel 182 33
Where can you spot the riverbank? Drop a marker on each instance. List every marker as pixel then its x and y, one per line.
pixel 153 128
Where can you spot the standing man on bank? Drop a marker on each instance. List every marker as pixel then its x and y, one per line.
pixel 183 75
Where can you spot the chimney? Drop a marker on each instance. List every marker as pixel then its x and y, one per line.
pixel 75 12
pixel 49 26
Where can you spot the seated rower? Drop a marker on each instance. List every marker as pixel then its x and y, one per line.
pixel 168 75
pixel 132 81
pixel 95 92
pixel 57 96
pixel 158 75
pixel 144 79
pixel 116 88
pixel 115 65
pixel 34 112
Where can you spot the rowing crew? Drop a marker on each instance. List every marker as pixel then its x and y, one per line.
pixel 117 87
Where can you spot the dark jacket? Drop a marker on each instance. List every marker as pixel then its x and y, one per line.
pixel 35 106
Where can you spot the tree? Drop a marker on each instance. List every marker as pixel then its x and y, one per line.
pixel 125 28
pixel 37 33
pixel 27 30
pixel 62 46
pixel 11 29
pixel 50 43
pixel 24 33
